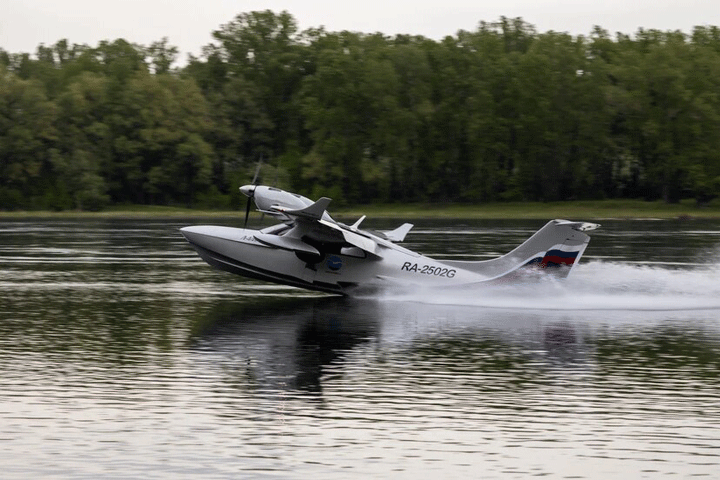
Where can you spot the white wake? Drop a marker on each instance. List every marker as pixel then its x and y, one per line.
pixel 594 285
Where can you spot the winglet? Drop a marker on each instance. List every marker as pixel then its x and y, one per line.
pixel 398 235
pixel 356 225
pixel 314 211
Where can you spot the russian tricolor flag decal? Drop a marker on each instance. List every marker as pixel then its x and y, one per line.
pixel 557 256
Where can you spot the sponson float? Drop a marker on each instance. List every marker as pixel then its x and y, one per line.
pixel 308 249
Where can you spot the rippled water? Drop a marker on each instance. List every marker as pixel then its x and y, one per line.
pixel 122 355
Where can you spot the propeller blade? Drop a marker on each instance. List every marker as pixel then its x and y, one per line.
pixel 250 191
pixel 257 171
pixel 247 211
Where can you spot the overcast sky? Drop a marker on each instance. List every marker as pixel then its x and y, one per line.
pixel 188 24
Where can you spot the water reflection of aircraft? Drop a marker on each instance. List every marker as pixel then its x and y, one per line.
pixel 285 345
pixel 291 344
pixel 551 334
pixel 309 249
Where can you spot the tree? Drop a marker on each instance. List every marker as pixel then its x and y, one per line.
pixel 27 133
pixel 499 113
pixel 351 107
pixel 262 74
pixel 84 142
pixel 165 149
pixel 162 56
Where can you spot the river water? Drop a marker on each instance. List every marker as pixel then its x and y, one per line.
pixel 124 356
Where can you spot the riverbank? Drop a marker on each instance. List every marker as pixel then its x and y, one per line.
pixel 582 210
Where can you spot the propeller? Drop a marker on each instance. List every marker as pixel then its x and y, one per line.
pixel 247 210
pixel 249 191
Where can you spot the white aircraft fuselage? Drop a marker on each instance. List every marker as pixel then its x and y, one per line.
pixel 310 250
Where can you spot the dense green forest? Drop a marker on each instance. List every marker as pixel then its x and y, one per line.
pixel 497 114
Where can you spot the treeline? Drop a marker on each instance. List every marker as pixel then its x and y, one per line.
pixel 501 113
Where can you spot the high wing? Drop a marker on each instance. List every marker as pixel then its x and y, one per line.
pixel 362 241
pixel 308 228
pixel 312 212
pixel 311 230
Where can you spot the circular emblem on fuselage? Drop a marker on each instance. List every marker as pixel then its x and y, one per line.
pixel 334 263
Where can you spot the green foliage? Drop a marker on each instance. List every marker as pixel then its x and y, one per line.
pixel 27 132
pixel 502 113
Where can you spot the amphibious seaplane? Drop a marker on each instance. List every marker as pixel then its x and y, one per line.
pixel 308 249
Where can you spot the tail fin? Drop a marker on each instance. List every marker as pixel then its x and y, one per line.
pixel 566 252
pixel 555 249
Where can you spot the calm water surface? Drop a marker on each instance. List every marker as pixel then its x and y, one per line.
pixel 123 355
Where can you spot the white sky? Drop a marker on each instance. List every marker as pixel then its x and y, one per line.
pixel 188 24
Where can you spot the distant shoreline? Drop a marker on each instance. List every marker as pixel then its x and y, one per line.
pixel 582 210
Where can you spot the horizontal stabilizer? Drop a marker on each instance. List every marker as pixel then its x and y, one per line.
pixel 579 226
pixel 398 235
pixel 285 243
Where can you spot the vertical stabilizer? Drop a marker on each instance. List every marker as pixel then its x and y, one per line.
pixel 555 248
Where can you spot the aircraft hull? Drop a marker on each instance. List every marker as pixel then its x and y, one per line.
pixel 309 249
pixel 344 268
pixel 238 251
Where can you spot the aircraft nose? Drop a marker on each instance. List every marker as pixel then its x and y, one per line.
pixel 248 190
pixel 190 234
pixel 201 234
